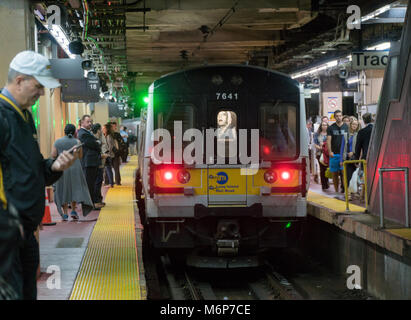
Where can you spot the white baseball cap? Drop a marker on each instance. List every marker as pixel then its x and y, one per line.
pixel 36 65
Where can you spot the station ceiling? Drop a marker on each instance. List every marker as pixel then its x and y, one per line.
pixel 137 41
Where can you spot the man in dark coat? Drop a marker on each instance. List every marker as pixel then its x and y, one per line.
pixel 91 157
pixel 24 173
pixel 363 137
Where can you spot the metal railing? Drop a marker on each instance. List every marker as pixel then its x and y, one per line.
pixel 364 162
pixel 380 172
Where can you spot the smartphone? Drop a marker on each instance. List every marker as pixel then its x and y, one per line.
pixel 77 146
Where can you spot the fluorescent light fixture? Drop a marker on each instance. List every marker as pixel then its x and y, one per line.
pixel 381 46
pixel 57 32
pixel 327 65
pixel 353 80
pixel 376 13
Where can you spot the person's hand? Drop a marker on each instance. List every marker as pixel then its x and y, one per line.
pixel 65 160
pixel 350 154
pixel 341 164
pixel 104 155
pixel 331 154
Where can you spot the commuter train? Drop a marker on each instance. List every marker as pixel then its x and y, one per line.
pixel 223 162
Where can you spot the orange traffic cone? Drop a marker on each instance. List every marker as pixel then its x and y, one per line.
pixel 47 217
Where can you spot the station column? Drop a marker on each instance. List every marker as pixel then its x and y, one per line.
pixel 17 32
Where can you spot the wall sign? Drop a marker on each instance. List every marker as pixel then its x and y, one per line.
pixel 369 60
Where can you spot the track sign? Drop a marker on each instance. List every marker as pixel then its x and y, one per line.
pixel 369 60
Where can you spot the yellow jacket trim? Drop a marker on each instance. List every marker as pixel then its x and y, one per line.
pixel 3 199
pixel 25 118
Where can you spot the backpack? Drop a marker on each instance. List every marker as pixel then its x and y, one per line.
pixel 121 144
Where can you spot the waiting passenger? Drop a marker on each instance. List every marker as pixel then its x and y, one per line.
pixel 108 147
pixel 348 147
pixel 335 133
pixel 320 138
pixel 364 136
pixel 71 188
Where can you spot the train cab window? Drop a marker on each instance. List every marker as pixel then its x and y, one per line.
pixel 278 130
pixel 227 132
pixel 183 112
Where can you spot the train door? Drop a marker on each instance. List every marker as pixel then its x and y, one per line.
pixel 226 186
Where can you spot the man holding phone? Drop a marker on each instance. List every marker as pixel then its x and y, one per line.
pixel 24 172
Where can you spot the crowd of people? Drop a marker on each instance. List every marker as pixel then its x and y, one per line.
pixel 103 149
pixel 331 145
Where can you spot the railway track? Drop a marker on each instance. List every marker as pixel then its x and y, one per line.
pixel 263 283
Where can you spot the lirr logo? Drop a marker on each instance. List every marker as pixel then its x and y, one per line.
pixel 222 178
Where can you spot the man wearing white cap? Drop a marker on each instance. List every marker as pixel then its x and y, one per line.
pixel 24 172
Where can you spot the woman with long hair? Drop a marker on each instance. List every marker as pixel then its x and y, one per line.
pixel 320 138
pixel 348 147
pixel 109 145
pixel 71 188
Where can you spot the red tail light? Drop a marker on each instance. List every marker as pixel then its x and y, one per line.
pixel 183 176
pixel 270 176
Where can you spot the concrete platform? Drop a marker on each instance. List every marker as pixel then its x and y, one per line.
pixel 344 238
pixel 79 254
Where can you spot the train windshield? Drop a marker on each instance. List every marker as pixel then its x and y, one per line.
pixel 183 112
pixel 278 130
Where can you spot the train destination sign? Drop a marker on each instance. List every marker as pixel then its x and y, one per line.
pixel 362 60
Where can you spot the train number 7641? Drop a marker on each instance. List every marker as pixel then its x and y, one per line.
pixel 226 96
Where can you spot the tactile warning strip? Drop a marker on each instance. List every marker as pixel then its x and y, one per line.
pixel 331 203
pixel 109 269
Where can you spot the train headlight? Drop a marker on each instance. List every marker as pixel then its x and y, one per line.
pixel 168 175
pixel 285 175
pixel 270 176
pixel 183 176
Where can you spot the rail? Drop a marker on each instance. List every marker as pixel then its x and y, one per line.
pixel 380 172
pixel 364 162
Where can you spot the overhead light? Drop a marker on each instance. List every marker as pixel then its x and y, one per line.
pixel 376 13
pixel 381 46
pixel 327 65
pixel 353 80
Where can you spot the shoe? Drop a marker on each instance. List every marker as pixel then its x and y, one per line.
pixel 65 217
pixel 74 215
pixel 99 205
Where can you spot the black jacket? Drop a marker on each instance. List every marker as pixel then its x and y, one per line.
pixel 91 149
pixel 25 172
pixel 363 140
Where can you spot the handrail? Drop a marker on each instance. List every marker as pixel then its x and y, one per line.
pixel 364 162
pixel 380 172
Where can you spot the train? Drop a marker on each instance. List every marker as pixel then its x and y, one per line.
pixel 223 167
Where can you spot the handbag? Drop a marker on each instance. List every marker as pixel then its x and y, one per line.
pixel 322 159
pixel 328 173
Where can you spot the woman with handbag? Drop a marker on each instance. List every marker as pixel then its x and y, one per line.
pixel 320 139
pixel 348 143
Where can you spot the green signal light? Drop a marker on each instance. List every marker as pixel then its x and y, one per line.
pixel 288 225
pixel 145 99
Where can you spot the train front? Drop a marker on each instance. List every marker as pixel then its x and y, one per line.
pixel 224 173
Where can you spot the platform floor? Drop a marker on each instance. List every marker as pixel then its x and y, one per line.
pixel 97 259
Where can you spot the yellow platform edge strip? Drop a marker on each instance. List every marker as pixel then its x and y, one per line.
pixel 331 203
pixel 109 269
